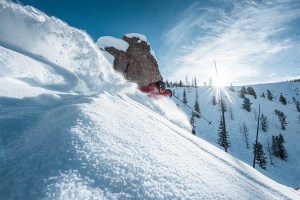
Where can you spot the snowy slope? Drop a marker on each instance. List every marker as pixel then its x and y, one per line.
pixel 59 49
pixel 285 172
pixel 69 133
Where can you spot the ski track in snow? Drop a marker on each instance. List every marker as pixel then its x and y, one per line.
pixel 71 79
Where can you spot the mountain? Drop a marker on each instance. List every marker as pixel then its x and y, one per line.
pixel 285 172
pixel 72 128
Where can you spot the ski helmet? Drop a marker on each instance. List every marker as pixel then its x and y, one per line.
pixel 161 85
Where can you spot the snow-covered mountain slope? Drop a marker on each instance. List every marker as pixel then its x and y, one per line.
pixel 285 172
pixel 67 133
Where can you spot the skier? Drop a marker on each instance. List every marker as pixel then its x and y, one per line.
pixel 156 89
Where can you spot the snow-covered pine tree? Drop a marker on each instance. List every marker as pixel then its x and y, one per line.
pixel 247 104
pixel 260 157
pixel 223 140
pixel 264 123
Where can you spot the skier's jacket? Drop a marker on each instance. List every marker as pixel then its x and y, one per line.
pixel 156 89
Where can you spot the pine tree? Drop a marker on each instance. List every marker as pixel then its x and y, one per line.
pixel 281 149
pixel 242 92
pixel 269 150
pixel 263 95
pixel 251 91
pixel 231 88
pixel 274 146
pixel 184 97
pixel 270 95
pixel 231 113
pixel 210 82
pixel 223 136
pixel 245 131
pixel 214 100
pixel 168 84
pixel 264 123
pixel 197 109
pixel 187 84
pixel 247 104
pixel 278 147
pixel 180 84
pixel 195 82
pixel 260 157
pixel 192 122
pixel 297 106
pixel 282 99
pixel 223 106
pixel 282 119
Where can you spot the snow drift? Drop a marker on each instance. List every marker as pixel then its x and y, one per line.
pixel 71 128
pixel 66 52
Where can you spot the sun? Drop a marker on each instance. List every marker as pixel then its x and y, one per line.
pixel 221 82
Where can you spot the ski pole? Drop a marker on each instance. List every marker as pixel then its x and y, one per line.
pixel 209 122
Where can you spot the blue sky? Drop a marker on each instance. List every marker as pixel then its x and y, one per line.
pixel 251 41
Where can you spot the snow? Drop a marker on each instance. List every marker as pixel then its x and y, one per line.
pixel 141 37
pixel 69 133
pixel 285 172
pixel 108 41
pixel 69 51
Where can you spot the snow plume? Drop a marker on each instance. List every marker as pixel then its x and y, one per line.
pixel 57 47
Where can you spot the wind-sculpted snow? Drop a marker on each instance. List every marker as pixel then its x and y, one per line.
pixel 54 44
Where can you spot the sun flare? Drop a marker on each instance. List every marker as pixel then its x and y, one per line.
pixel 221 82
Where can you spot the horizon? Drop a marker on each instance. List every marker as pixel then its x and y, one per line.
pixel 256 39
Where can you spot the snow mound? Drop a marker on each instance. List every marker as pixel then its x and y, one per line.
pixel 108 41
pixel 66 52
